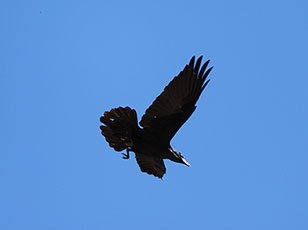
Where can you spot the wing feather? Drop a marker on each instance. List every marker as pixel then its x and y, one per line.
pixel 151 165
pixel 177 102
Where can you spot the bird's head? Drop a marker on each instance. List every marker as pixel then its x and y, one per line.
pixel 178 157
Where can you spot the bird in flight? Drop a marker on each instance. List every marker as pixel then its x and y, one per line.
pixel 161 121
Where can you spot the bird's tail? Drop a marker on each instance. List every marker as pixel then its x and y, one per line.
pixel 118 127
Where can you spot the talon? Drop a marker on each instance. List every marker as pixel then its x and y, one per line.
pixel 126 155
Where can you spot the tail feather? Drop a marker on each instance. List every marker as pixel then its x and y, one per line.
pixel 118 127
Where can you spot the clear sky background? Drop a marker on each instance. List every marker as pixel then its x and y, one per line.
pixel 63 63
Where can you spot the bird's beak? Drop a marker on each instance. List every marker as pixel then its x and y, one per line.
pixel 185 162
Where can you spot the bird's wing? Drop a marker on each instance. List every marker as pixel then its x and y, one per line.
pixel 151 165
pixel 177 102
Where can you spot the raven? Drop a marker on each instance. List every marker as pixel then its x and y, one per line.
pixel 161 121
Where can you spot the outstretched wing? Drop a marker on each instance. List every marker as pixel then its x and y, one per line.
pixel 151 165
pixel 177 102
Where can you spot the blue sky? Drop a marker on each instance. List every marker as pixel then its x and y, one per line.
pixel 63 63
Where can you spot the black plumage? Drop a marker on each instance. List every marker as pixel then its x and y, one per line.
pixel 161 121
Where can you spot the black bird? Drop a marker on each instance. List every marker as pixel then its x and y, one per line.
pixel 161 121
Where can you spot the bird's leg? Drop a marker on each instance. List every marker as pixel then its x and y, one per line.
pixel 126 155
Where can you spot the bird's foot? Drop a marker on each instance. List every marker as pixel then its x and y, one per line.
pixel 126 155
